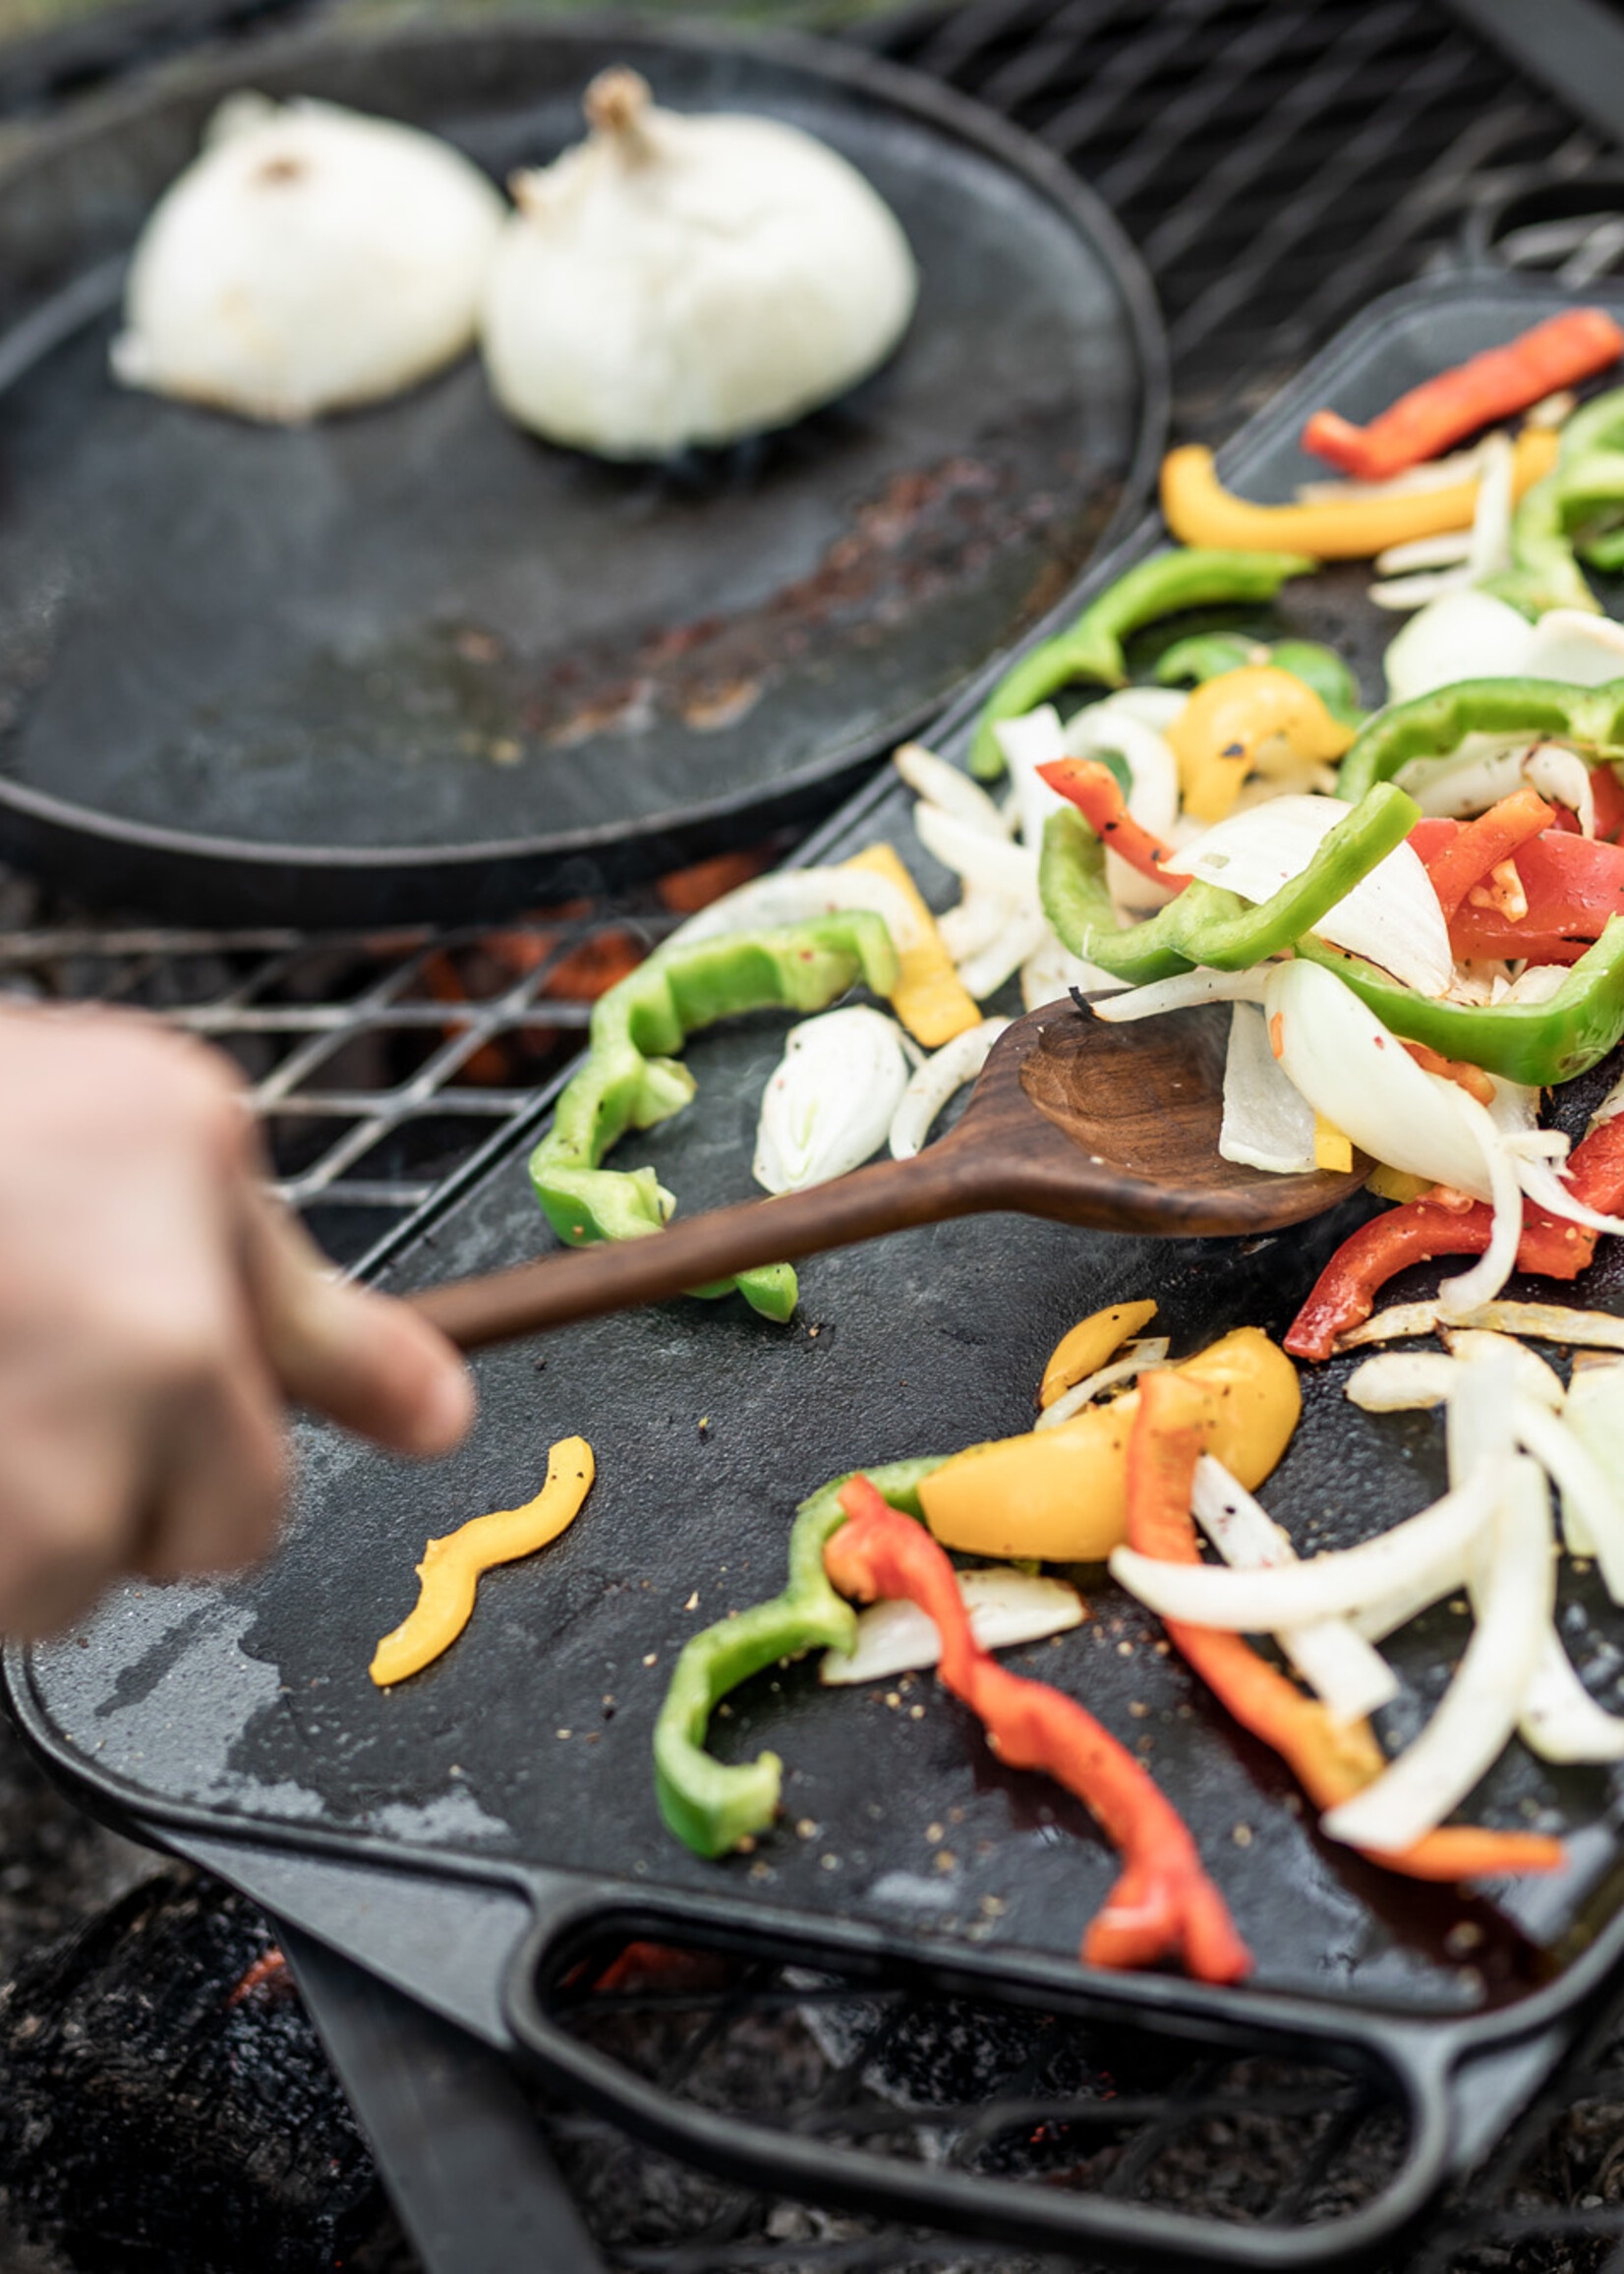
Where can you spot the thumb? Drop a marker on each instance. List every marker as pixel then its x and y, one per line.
pixel 370 1363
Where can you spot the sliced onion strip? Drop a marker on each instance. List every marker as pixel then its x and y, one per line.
pixel 931 1086
pixel 1325 1586
pixel 1484 1703
pixel 1346 1671
pixel 1006 1606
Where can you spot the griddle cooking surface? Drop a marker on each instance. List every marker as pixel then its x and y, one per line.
pixel 413 628
pixel 528 1745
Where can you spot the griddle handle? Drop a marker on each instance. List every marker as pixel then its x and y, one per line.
pixel 584 1282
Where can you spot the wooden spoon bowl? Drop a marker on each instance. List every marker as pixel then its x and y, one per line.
pixel 1115 1127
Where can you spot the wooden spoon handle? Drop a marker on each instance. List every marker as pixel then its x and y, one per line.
pixel 584 1282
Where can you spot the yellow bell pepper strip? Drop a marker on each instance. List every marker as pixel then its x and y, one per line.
pixel 1060 1496
pixel 451 1566
pixel 929 997
pixel 1163 1905
pixel 1257 719
pixel 1331 1761
pixel 713 1805
pixel 1332 1149
pixel 1200 511
pixel 1091 649
pixel 624 1084
pixel 1090 1345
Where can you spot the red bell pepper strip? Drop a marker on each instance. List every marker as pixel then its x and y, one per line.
pixel 1572 886
pixel 1345 1292
pixel 1464 859
pixel 1445 410
pixel 1607 795
pixel 1163 1903
pixel 1097 794
pixel 1331 1761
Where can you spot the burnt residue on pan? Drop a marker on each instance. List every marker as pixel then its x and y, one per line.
pixel 924 536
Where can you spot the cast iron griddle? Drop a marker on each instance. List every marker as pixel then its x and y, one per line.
pixel 518 1767
pixel 411 661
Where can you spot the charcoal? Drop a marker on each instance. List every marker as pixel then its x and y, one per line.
pixel 166 2107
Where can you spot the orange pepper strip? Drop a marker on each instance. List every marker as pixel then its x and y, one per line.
pixel 1097 796
pixel 1163 1902
pixel 1443 411
pixel 1331 1761
pixel 1483 844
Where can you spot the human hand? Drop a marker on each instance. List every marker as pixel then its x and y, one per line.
pixel 158 1311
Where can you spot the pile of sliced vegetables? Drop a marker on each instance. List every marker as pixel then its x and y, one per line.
pixel 1129 1475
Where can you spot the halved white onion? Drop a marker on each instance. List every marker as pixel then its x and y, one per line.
pixel 829 1104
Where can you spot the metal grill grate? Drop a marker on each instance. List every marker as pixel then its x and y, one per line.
pixel 1277 161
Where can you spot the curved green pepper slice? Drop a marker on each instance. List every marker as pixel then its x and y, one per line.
pixel 710 1804
pixel 1206 925
pixel 1537 1043
pixel 1577 505
pixel 629 1079
pixel 1192 577
pixel 1589 718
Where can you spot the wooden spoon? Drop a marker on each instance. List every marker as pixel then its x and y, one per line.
pixel 1115 1127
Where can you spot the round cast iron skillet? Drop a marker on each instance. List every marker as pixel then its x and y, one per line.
pixel 411 662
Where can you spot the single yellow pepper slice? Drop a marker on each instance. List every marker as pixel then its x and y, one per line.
pixel 1061 1495
pixel 1252 720
pixel 1092 1343
pixel 929 997
pixel 451 1568
pixel 1333 1148
pixel 1200 511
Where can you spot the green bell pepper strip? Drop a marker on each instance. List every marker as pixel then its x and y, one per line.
pixel 1209 655
pixel 1588 719
pixel 1206 925
pixel 1537 1043
pixel 630 1081
pixel 710 1804
pixel 1585 486
pixel 1543 570
pixel 1192 577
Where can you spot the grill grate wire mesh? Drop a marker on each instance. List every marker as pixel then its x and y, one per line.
pixel 1278 162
